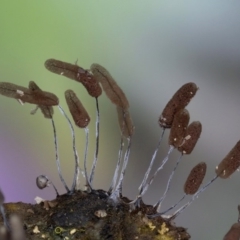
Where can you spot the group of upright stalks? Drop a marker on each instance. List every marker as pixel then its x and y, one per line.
pixel 182 137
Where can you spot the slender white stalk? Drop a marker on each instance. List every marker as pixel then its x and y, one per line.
pixel 159 202
pixel 193 198
pixel 146 186
pixel 87 184
pixel 57 157
pixel 76 181
pixel 114 180
pixel 97 144
pixel 118 191
pixel 173 206
pixel 151 163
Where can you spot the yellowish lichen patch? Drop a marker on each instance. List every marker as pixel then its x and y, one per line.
pixel 163 229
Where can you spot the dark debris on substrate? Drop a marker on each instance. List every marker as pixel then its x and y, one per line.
pixel 90 216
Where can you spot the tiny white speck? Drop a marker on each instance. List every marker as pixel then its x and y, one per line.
pixel 21 93
pixel 187 137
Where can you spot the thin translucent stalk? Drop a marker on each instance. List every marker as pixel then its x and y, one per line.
pixel 146 186
pixel 57 157
pixel 114 180
pixel 97 144
pixel 193 198
pixel 55 189
pixel 116 173
pixel 158 204
pixel 118 191
pixel 162 213
pixel 151 163
pixel 76 180
pixel 173 206
pixel 87 184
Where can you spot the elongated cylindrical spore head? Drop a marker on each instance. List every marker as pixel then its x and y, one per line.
pixel 26 95
pixel 179 101
pixel 179 127
pixel 91 85
pixel 47 111
pixel 15 91
pixel 42 97
pixel 191 137
pixel 125 122
pixel 78 112
pixel 62 68
pixel 110 87
pixel 195 178
pixel 233 233
pixel 76 73
pixel 230 163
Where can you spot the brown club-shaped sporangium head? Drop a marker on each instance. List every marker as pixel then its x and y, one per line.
pixel 26 95
pixel 110 87
pixel 76 73
pixel 179 126
pixel 179 100
pixel 78 112
pixel 91 85
pixel 191 137
pixel 62 68
pixel 230 163
pixel 125 122
pixel 47 111
pixel 42 97
pixel 233 233
pixel 195 178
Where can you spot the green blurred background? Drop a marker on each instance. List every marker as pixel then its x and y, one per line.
pixel 151 48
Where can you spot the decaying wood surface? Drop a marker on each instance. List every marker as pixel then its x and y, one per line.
pixel 86 216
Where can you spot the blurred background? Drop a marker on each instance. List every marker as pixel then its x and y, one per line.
pixel 151 48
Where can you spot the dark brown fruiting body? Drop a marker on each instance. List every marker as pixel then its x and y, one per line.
pixel 62 68
pixel 125 122
pixel 230 163
pixel 26 95
pixel 179 101
pixel 195 178
pixel 110 87
pixel 47 111
pixel 179 126
pixel 191 137
pixel 78 112
pixel 76 73
pixel 233 233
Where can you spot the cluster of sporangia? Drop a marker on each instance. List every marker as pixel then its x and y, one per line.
pixel 183 137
